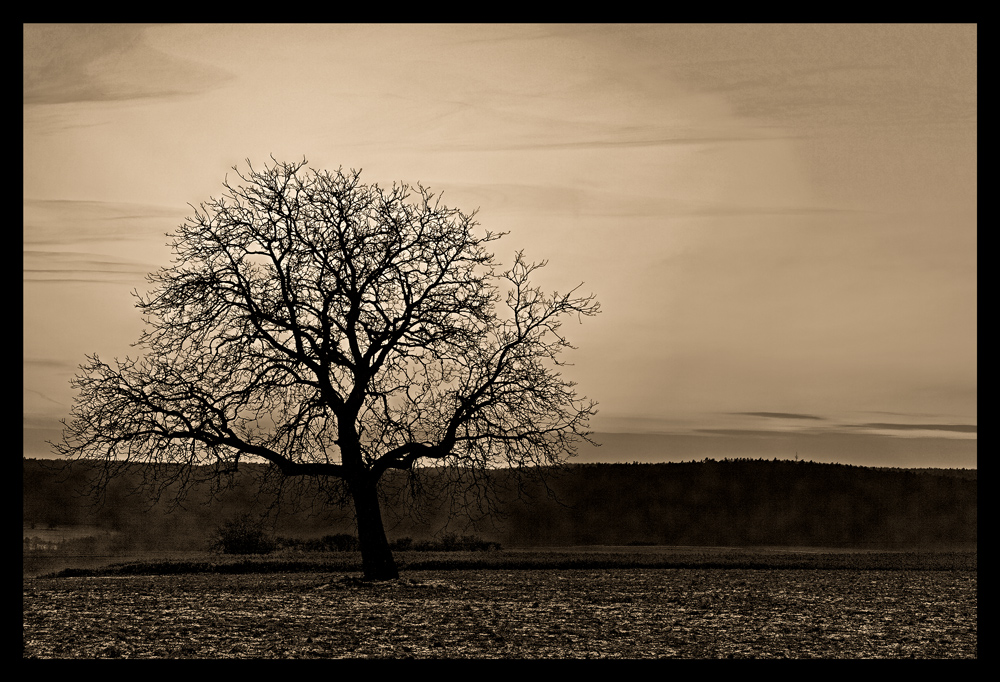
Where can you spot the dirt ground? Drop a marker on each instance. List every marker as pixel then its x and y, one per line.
pixel 621 613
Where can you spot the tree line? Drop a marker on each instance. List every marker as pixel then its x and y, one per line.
pixel 731 502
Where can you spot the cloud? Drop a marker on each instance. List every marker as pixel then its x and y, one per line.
pixel 830 430
pixel 61 266
pixel 36 432
pixel 780 415
pixel 618 138
pixel 858 449
pixel 66 63
pixel 626 202
pixel 51 364
pixel 79 267
pixel 957 428
pixel 846 430
pixel 748 433
pixel 43 397
pixel 873 76
pixel 59 222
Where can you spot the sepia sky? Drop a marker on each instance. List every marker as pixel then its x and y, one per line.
pixel 779 221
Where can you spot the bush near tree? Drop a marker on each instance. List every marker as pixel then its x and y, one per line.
pixel 243 535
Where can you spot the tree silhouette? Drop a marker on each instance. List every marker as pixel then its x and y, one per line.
pixel 336 330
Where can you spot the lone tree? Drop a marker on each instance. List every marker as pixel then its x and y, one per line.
pixel 336 330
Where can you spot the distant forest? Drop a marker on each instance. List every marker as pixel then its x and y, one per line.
pixel 737 502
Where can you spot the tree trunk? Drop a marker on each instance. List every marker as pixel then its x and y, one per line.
pixel 376 558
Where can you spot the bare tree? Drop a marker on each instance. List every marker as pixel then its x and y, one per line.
pixel 336 330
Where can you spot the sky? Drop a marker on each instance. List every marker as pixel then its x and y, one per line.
pixel 779 221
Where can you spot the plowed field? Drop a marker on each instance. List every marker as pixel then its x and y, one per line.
pixel 619 613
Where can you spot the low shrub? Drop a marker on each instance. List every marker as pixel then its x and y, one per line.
pixel 449 542
pixel 242 535
pixel 340 542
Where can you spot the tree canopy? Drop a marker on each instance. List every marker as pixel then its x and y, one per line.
pixel 337 329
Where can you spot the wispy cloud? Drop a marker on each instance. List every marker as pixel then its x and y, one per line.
pixel 62 266
pixel 749 433
pixel 620 140
pixel 856 448
pixel 846 430
pixel 869 76
pixel 957 428
pixel 780 415
pixel 551 198
pixel 60 222
pixel 44 397
pixel 66 63
pixel 49 364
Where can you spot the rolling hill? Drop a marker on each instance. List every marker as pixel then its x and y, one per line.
pixel 739 502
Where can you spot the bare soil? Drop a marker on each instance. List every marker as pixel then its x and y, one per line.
pixel 531 614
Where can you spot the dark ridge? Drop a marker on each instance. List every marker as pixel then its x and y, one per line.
pixel 736 503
